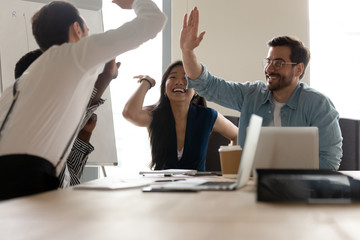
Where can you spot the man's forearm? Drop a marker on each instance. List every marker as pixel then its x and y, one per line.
pixel 192 66
pixel 101 84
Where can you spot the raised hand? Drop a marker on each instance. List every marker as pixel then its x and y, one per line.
pixel 109 73
pixel 139 77
pixel 189 38
pixel 111 69
pixel 124 4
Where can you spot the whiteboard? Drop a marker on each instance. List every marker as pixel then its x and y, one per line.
pixel 16 40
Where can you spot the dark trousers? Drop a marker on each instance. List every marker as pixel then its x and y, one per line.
pixel 22 175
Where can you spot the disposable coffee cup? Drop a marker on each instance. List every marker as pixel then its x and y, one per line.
pixel 230 160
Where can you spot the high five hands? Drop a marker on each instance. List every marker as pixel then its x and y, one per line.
pixel 124 4
pixel 189 38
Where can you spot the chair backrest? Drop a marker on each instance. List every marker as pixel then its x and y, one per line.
pixel 350 129
pixel 215 141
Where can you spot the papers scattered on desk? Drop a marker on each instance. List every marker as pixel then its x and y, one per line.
pixel 114 183
pixel 170 172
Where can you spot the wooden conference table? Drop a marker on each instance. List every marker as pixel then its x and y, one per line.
pixel 132 214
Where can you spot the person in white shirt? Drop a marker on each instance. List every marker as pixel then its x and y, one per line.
pixel 72 171
pixel 36 130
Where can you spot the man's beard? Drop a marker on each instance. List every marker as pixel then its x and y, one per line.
pixel 279 82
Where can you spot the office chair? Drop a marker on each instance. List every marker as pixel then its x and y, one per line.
pixel 215 141
pixel 350 129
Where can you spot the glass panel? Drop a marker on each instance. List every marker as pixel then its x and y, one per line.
pixel 335 50
pixel 133 147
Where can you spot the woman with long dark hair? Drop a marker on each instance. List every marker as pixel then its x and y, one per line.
pixel 179 124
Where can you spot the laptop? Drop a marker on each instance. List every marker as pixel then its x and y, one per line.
pixel 287 148
pixel 244 172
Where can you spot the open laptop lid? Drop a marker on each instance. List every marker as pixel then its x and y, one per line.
pixel 249 150
pixel 288 148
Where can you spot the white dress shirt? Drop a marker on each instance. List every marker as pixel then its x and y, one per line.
pixel 59 84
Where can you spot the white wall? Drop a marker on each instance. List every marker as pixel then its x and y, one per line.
pixel 236 34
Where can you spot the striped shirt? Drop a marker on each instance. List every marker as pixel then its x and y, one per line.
pixel 71 172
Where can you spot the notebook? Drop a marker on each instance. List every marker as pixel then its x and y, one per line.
pixel 245 167
pixel 288 148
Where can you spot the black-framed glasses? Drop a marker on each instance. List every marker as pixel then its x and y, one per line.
pixel 277 63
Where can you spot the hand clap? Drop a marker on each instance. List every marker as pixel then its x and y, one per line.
pixel 124 4
pixel 189 38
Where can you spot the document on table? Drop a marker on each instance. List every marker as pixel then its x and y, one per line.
pixel 114 183
pixel 169 172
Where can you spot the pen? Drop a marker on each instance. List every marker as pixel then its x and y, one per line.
pixel 170 180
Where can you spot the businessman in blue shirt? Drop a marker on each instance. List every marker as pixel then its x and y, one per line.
pixel 282 101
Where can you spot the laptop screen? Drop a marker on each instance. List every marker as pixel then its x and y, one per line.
pixel 249 150
pixel 288 148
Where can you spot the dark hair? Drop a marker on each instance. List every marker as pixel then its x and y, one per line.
pixel 299 53
pixel 159 129
pixel 50 25
pixel 26 61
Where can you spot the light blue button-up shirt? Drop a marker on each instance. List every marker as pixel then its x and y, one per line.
pixel 306 107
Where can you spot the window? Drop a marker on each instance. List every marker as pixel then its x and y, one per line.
pixel 133 145
pixel 335 49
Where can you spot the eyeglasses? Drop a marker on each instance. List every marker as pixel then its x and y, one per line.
pixel 277 63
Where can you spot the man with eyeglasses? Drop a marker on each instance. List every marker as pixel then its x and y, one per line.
pixel 282 101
